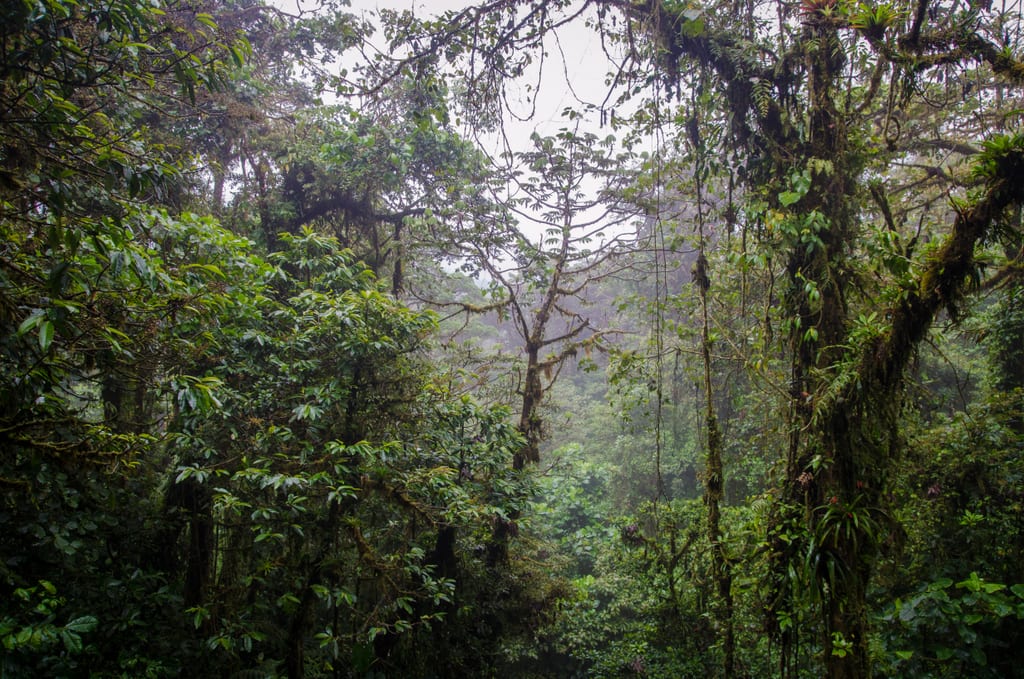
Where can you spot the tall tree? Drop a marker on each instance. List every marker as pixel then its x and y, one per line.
pixel 102 280
pixel 568 227
pixel 247 453
pixel 320 501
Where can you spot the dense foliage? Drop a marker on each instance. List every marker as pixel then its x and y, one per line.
pixel 299 378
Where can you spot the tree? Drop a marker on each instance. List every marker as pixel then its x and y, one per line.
pixel 370 177
pixel 319 501
pixel 103 284
pixel 245 446
pixel 197 439
pixel 542 283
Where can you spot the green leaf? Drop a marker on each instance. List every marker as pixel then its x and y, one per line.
pixel 972 584
pixel 45 334
pixel 237 55
pixel 85 623
pixel 693 27
pixel 267 536
pixel 31 322
pixel 787 198
pixel 72 642
pixel 206 20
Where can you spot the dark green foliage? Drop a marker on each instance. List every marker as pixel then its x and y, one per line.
pixel 1005 340
pixel 971 628
pixel 323 502
pixel 963 503
pixel 210 460
pixel 947 600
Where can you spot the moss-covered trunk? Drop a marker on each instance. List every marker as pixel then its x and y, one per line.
pixel 529 415
pixel 714 483
pixel 829 462
pixel 804 123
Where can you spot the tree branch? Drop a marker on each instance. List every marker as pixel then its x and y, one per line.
pixel 942 282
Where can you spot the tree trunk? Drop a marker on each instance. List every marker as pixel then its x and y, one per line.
pixel 714 483
pixel 295 645
pixel 529 417
pixel 192 499
pixel 830 463
pixel 398 273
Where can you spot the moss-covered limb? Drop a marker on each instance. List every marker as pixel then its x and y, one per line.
pixel 1011 274
pixel 852 423
pixel 722 570
pixel 722 52
pixel 943 280
pixel 920 14
pixel 859 398
pixel 955 44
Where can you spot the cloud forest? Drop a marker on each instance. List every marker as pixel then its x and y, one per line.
pixel 326 351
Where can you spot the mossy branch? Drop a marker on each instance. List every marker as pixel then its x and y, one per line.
pixel 944 278
pixel 955 45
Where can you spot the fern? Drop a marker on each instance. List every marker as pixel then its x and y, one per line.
pixel 762 95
